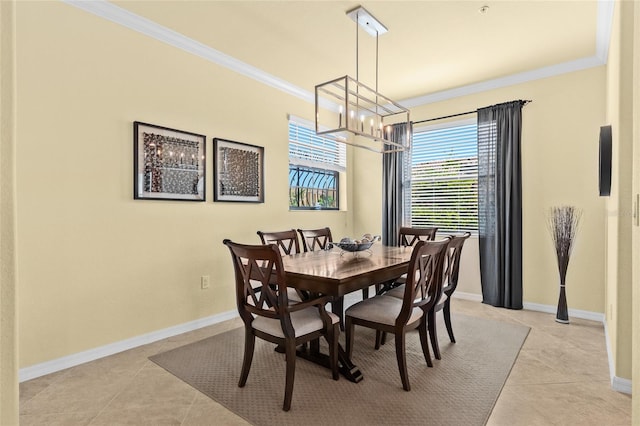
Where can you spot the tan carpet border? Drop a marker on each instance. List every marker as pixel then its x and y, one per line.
pixel 461 389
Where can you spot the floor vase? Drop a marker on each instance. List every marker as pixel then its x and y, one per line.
pixel 562 315
pixel 563 223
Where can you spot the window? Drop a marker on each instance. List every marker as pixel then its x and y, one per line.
pixel 444 177
pixel 315 163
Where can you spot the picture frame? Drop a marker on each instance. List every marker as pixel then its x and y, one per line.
pixel 168 164
pixel 238 170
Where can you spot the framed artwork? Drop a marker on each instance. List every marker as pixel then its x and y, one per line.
pixel 238 170
pixel 168 164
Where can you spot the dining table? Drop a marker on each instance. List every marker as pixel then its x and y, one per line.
pixel 335 273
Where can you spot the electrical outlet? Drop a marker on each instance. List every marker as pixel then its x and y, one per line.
pixel 204 282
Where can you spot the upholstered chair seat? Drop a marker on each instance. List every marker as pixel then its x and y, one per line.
pixel 304 322
pixel 392 315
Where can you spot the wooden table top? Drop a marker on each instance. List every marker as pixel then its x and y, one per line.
pixel 337 273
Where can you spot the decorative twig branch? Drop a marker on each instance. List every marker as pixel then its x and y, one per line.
pixel 563 224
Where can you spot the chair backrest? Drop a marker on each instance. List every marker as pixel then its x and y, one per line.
pixel 452 262
pixel 261 287
pixel 286 241
pixel 410 236
pixel 424 277
pixel 313 239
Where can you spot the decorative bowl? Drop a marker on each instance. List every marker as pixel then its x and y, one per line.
pixel 354 247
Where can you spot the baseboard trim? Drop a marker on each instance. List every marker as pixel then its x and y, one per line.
pixel 467 296
pixel 618 384
pixel 72 360
pixel 621 385
pixel 577 313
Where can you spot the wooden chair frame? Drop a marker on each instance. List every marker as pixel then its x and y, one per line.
pixel 450 282
pixel 408 236
pixel 313 239
pixel 424 282
pixel 286 241
pixel 260 267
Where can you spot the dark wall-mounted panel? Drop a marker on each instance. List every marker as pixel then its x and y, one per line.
pixel 604 173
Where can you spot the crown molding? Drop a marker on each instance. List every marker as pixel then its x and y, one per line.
pixel 603 38
pixel 118 15
pixel 603 29
pixel 510 80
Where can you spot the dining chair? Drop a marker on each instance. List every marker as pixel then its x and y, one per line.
pixel 408 236
pixel 287 241
pixel 269 315
pixel 313 239
pixel 397 316
pixel 449 284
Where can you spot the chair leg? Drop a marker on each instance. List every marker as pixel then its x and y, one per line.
pixel 402 361
pixel 378 339
pixel 447 320
pixel 431 321
pixel 333 351
pixel 291 372
pixel 365 293
pixel 349 329
pixel 424 342
pixel 249 344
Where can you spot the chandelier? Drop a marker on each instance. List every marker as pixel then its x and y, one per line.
pixel 344 106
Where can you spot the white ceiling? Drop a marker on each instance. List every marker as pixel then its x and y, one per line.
pixel 433 48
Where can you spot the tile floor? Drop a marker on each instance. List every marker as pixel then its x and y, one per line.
pixel 561 377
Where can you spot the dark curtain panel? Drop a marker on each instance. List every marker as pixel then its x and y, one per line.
pixel 500 204
pixel 392 186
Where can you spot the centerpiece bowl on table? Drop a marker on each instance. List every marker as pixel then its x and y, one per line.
pixel 355 245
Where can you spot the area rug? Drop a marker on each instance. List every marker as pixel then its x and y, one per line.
pixel 461 388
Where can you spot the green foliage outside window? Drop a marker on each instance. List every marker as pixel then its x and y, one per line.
pixel 444 193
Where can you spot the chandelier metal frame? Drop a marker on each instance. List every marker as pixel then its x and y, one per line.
pixel 346 106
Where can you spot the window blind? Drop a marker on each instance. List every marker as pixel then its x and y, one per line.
pixel 310 150
pixel 444 177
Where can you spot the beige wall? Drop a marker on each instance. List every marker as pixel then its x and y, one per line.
pixel 97 267
pixel 619 205
pixel 559 166
pixel 8 314
pixel 635 325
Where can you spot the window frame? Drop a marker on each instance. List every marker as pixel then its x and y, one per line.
pixel 336 188
pixel 334 167
pixel 467 170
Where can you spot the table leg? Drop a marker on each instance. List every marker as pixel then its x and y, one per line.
pixel 337 307
pixel 348 370
pixel 346 367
